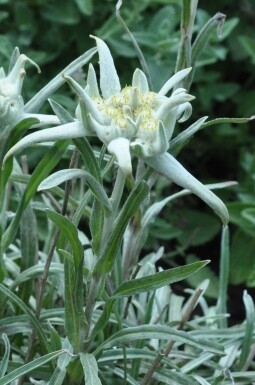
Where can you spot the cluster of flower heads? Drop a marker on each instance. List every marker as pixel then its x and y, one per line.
pixel 129 119
pixel 132 120
pixel 133 117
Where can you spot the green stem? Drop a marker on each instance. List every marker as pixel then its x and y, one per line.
pixel 202 39
pixel 107 228
pixel 135 44
pixel 117 191
pixel 189 8
pixel 2 224
pixel 224 276
pixel 115 200
pixel 4 137
pixel 90 301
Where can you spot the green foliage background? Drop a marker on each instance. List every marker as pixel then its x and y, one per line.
pixel 54 33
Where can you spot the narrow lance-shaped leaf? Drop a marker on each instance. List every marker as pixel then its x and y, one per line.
pixel 133 353
pixel 59 373
pixel 55 339
pixel 103 319
pixel 37 101
pixel 36 324
pixel 96 224
pixel 64 175
pixel 90 369
pixel 227 120
pixel 204 35
pixel 159 332
pixel 21 325
pixel 72 321
pixel 20 128
pixel 174 378
pixel 88 156
pixel 151 213
pixel 27 368
pixel 63 115
pixel 168 166
pixel 78 293
pixel 180 140
pixel 249 330
pixel 17 132
pixel 29 246
pixel 65 131
pixel 136 197
pixel 201 380
pixel 201 41
pixel 35 271
pixel 49 161
pixel 71 234
pixel 155 281
pixel 5 358
pixel 57 377
pixel 224 276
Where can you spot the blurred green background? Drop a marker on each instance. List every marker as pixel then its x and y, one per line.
pixel 53 33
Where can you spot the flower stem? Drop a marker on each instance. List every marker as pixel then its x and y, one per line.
pixel 90 302
pixel 189 8
pixel 107 228
pixel 224 277
pixel 135 44
pixel 43 281
pixel 117 191
pixel 115 200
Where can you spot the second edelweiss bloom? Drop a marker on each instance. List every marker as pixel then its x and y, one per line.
pixel 132 117
pixel 12 109
pixel 11 101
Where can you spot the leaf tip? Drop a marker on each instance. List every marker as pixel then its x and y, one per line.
pixel 40 187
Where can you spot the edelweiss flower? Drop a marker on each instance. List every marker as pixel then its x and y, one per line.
pixel 11 102
pixel 131 120
pixel 133 116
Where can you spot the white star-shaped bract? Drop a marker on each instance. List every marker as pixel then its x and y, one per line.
pixel 131 121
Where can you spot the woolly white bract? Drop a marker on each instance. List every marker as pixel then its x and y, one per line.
pixel 11 101
pixel 12 109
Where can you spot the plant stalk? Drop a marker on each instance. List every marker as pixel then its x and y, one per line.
pixel 43 281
